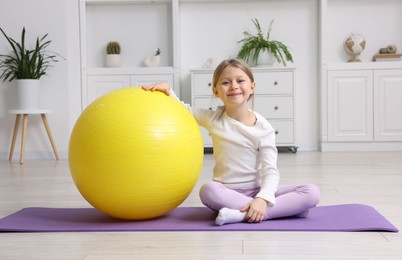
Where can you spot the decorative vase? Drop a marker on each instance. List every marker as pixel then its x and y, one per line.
pixel 153 61
pixel 113 60
pixel 28 93
pixel 265 59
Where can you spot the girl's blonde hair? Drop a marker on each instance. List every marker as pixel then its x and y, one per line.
pixel 237 63
pixel 234 63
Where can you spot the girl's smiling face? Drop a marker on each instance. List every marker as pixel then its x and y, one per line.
pixel 234 86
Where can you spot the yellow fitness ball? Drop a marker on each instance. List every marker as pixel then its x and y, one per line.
pixel 135 154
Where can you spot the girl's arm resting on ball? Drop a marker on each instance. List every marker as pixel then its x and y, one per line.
pixel 161 86
pixel 200 114
pixel 165 88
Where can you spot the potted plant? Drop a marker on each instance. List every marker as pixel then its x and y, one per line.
pixel 26 66
pixel 256 45
pixel 153 61
pixel 113 58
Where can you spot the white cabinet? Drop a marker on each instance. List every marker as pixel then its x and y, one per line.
pixel 274 99
pixel 364 109
pixel 360 105
pixel 102 81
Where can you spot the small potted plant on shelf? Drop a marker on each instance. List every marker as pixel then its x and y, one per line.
pixel 153 61
pixel 261 50
pixel 113 58
pixel 26 67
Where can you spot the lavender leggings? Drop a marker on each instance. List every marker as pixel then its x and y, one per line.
pixel 291 200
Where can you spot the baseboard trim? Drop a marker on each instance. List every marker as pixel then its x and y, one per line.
pixel 361 146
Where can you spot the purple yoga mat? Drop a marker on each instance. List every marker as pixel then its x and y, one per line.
pixel 348 217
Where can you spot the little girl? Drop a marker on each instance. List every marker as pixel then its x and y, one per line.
pixel 245 180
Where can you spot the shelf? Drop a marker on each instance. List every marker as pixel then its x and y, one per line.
pixel 365 65
pixel 128 22
pixel 114 2
pixel 140 70
pixel 256 69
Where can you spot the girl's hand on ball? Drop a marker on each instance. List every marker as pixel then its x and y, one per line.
pixel 161 86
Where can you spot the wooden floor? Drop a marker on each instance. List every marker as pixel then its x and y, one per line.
pixel 373 178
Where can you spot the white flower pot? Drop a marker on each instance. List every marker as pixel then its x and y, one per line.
pixel 28 93
pixel 265 59
pixel 113 60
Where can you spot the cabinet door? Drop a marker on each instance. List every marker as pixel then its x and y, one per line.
pixel 100 85
pixel 350 105
pixel 388 105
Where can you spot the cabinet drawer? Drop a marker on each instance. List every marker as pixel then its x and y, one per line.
pixel 201 103
pixel 269 107
pixel 267 83
pixel 201 84
pixel 284 131
pixel 274 82
pixel 274 107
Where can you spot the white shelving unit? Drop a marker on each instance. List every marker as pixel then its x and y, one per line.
pixel 123 21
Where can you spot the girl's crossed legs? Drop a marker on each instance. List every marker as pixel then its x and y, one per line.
pixel 291 200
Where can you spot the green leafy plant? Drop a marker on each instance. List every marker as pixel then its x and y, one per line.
pixel 158 52
pixel 113 48
pixel 253 44
pixel 25 63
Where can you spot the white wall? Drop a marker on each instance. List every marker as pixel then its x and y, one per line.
pixel 59 19
pixel 378 21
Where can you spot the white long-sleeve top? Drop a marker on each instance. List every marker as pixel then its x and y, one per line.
pixel 245 156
